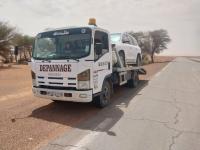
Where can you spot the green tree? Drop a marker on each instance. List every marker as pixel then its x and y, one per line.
pixel 28 42
pixel 7 33
pixel 24 42
pixel 160 40
pixel 144 41
pixel 152 42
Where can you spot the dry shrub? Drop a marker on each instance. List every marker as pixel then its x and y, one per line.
pixel 146 59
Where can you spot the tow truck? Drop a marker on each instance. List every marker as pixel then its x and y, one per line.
pixel 79 64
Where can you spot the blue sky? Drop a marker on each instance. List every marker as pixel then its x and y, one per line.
pixel 180 17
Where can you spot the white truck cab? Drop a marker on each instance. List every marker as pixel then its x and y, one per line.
pixel 75 64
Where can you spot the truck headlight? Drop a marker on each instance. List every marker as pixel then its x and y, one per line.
pixel 83 85
pixel 84 79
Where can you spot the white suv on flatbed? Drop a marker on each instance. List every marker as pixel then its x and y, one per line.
pixel 127 47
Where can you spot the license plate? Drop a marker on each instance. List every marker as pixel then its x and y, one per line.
pixel 57 94
pixel 52 93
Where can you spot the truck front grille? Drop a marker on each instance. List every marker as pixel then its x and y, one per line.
pixel 56 78
pixel 55 83
pixel 56 87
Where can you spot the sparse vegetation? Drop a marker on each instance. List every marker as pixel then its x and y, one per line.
pixel 7 33
pixel 146 59
pixel 9 38
pixel 24 43
pixel 152 42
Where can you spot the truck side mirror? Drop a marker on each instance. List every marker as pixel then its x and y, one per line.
pixel 98 48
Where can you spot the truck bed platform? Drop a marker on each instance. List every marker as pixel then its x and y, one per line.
pixel 140 70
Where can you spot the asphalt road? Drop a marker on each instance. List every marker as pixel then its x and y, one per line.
pixel 162 114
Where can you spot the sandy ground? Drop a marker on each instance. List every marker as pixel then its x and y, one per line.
pixel 160 62
pixel 27 122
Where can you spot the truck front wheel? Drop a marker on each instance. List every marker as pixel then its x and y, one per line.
pixel 133 82
pixel 57 101
pixel 104 98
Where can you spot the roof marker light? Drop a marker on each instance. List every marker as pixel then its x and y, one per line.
pixel 92 21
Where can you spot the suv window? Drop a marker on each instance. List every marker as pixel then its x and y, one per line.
pixel 101 37
pixel 135 41
pixel 115 37
pixel 131 40
pixel 125 39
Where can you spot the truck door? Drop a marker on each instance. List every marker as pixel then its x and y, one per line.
pixel 102 59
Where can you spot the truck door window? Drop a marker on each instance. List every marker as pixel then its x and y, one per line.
pixel 101 37
pixel 130 40
pixel 125 39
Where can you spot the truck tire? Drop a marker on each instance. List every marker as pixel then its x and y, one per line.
pixel 57 101
pixel 122 57
pixel 104 98
pixel 133 82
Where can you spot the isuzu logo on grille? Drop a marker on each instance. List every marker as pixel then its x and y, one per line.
pixel 55 68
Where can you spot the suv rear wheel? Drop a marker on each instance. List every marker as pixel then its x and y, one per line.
pixel 133 82
pixel 138 61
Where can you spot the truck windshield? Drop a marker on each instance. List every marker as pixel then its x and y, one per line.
pixel 63 44
pixel 115 38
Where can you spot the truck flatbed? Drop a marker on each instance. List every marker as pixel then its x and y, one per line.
pixel 120 67
pixel 140 69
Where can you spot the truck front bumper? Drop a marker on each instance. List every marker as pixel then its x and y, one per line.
pixel 63 95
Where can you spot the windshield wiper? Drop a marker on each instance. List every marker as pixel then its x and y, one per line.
pixel 46 60
pixel 42 59
pixel 72 58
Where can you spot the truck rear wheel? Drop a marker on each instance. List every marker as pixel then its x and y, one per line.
pixel 104 98
pixel 133 82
